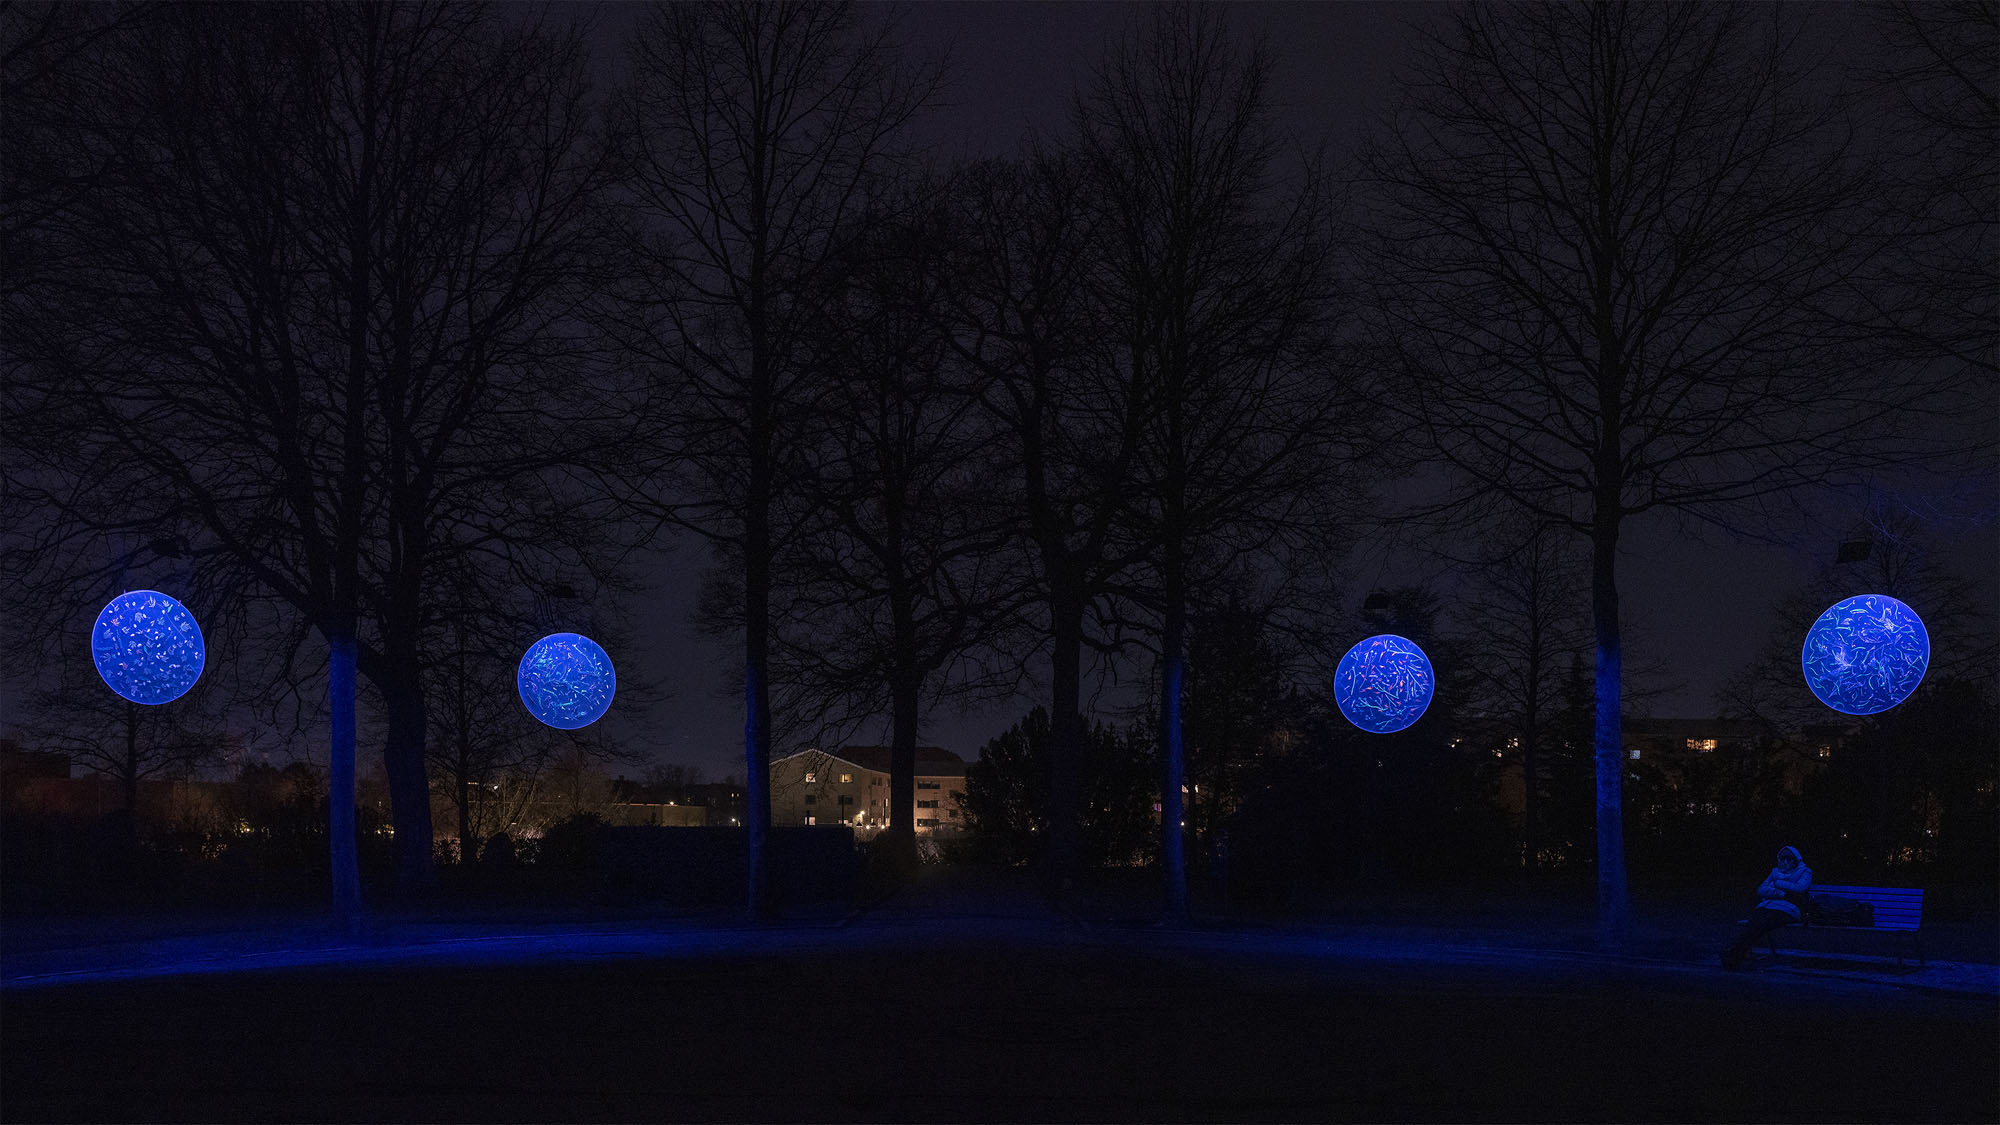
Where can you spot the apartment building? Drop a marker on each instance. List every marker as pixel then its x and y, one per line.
pixel 850 785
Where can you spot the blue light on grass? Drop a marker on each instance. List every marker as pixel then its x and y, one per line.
pixel 1384 684
pixel 147 647
pixel 1866 654
pixel 566 681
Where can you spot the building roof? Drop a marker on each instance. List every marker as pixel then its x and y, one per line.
pixel 932 761
pixel 1728 730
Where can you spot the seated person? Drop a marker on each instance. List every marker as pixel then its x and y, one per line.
pixel 1779 897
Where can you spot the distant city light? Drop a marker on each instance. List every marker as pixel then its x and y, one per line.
pixel 147 647
pixel 1383 684
pixel 566 681
pixel 1865 654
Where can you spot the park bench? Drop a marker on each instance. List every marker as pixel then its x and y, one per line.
pixel 1899 912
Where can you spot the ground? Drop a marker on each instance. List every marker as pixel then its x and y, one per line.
pixel 968 997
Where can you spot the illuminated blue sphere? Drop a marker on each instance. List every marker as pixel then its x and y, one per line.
pixel 1866 654
pixel 566 681
pixel 1384 684
pixel 147 647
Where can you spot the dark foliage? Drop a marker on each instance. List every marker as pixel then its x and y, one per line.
pixel 1007 795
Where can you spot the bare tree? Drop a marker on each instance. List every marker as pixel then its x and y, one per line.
pixel 1216 277
pixel 754 135
pixel 317 317
pixel 1528 597
pixel 1618 258
pixel 1939 74
pixel 123 740
pixel 1024 320
pixel 897 583
pixel 48 51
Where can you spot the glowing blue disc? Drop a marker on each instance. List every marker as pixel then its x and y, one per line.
pixel 1866 654
pixel 1384 684
pixel 566 681
pixel 147 647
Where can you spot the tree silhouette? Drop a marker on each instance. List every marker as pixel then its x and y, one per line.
pixel 894 588
pixel 1024 320
pixel 1939 71
pixel 317 316
pixel 1524 613
pixel 1618 258
pixel 1215 278
pixel 753 137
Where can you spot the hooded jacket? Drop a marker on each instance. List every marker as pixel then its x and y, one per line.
pixel 1772 891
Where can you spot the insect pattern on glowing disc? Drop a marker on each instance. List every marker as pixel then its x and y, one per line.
pixel 1865 654
pixel 566 680
pixel 147 647
pixel 1384 684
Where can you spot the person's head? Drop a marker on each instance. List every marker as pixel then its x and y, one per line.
pixel 1788 858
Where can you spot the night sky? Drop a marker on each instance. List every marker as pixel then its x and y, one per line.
pixel 1696 600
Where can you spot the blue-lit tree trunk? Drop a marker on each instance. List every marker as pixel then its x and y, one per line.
pixel 1614 900
pixel 341 846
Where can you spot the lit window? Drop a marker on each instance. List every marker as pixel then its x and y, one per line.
pixel 1632 754
pixel 1702 744
pixel 846 779
pixel 809 820
pixel 1825 751
pixel 811 777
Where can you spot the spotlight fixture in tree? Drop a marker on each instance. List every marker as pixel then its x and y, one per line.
pixel 566 681
pixel 147 647
pixel 1866 654
pixel 1384 684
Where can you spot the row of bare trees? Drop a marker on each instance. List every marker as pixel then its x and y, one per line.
pixel 386 315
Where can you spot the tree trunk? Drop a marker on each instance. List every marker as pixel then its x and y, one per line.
pixel 131 777
pixel 409 786
pixel 1173 669
pixel 1064 855
pixel 905 686
pixel 905 677
pixel 342 853
pixel 1531 730
pixel 903 765
pixel 756 664
pixel 468 848
pixel 1613 898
